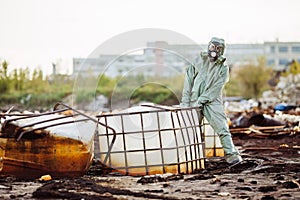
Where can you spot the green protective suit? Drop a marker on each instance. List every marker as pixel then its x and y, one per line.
pixel 203 87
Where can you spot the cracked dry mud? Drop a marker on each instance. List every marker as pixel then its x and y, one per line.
pixel 271 172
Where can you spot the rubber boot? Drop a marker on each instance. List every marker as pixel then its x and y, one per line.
pixel 232 155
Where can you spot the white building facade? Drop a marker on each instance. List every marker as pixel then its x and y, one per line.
pixel 163 59
pixel 280 54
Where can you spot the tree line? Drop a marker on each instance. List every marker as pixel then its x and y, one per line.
pixel 32 89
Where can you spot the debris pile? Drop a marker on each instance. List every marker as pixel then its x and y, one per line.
pixel 264 125
pixel 276 113
pixel 287 90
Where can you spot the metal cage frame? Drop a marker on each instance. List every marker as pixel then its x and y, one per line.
pixel 194 148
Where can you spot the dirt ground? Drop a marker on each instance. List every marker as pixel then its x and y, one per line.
pixel 270 170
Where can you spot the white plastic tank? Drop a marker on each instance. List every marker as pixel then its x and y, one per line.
pixel 151 140
pixel 213 147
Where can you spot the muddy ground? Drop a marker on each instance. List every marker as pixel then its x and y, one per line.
pixel 270 170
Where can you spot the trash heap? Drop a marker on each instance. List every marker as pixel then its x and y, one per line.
pixel 275 113
pixel 287 90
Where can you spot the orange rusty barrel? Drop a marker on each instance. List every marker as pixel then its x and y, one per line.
pixel 32 145
pixel 58 156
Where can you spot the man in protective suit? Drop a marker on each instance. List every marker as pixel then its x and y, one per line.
pixel 203 86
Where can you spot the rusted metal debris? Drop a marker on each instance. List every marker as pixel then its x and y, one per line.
pixel 52 143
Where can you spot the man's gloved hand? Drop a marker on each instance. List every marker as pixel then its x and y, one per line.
pixel 201 105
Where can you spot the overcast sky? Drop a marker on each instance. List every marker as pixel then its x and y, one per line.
pixel 35 33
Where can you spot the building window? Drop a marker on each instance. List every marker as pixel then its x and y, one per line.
pixel 272 49
pixel 271 62
pixel 283 49
pixel 283 61
pixel 296 49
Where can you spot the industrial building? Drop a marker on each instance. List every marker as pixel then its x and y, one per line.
pixel 162 59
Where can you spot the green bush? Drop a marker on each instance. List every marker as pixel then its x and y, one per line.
pixel 84 96
pixel 4 86
pixel 152 92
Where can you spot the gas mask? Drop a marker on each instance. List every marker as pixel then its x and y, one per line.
pixel 215 50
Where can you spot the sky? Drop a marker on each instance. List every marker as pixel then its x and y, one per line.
pixel 37 33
